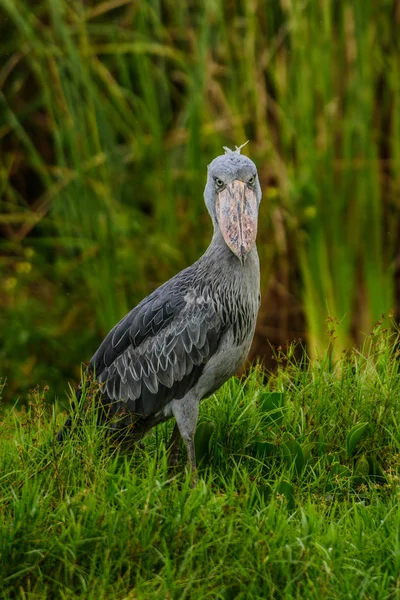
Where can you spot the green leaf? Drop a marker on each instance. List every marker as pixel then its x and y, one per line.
pixel 272 404
pixel 263 449
pixel 292 454
pixel 202 439
pixel 354 436
pixel 376 472
pixel 307 451
pixel 361 470
pixel 362 466
pixel 286 489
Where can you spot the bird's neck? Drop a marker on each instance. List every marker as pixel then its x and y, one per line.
pixel 221 255
pixel 232 284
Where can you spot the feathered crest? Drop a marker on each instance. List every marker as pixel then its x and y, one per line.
pixel 237 151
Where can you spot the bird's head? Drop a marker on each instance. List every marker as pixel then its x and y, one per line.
pixel 232 196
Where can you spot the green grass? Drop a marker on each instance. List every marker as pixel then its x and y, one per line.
pixel 109 114
pixel 298 494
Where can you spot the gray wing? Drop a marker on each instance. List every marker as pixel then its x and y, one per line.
pixel 159 350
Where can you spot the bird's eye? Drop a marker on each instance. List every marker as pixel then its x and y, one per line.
pixel 251 180
pixel 219 182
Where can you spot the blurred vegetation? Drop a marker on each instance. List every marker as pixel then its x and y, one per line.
pixel 109 114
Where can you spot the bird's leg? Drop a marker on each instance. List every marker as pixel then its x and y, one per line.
pixel 186 413
pixel 192 460
pixel 173 447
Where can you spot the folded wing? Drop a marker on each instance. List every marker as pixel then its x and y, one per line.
pixel 159 350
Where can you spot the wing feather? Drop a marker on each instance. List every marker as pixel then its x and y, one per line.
pixel 159 350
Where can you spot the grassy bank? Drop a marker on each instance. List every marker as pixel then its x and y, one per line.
pixel 109 114
pixel 298 495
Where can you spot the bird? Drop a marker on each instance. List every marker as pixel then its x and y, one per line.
pixel 190 335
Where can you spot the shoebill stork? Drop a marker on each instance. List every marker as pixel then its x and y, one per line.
pixel 183 341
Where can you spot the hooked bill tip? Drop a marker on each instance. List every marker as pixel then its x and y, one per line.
pixel 242 255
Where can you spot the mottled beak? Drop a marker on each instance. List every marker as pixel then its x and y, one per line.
pixel 237 212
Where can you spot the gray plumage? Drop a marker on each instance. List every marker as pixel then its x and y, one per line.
pixel 183 341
